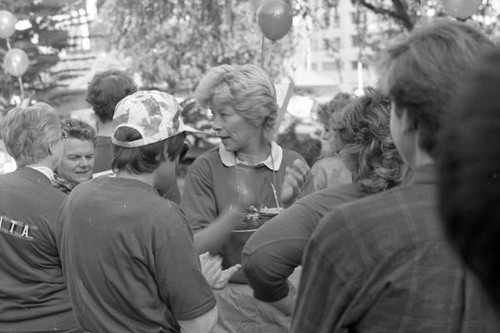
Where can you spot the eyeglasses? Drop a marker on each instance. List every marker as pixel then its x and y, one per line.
pixel 64 135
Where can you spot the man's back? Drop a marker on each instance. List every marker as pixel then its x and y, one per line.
pixel 104 154
pixel 129 260
pixel 33 293
pixel 381 264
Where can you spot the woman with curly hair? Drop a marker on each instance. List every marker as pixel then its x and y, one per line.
pixel 275 250
pixel 330 170
pixel 77 163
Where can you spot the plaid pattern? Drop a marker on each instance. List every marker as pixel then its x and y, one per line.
pixel 154 114
pixel 381 264
pixel 62 184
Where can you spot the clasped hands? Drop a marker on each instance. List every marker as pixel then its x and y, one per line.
pixel 211 268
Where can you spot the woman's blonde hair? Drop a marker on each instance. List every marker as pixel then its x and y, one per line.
pixel 248 89
pixel 29 133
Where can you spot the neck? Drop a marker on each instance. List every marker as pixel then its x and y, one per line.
pixel 47 162
pixel 147 178
pixel 256 153
pixel 104 129
pixel 422 158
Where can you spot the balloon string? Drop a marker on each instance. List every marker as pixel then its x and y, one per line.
pixel 20 80
pixel 8 44
pixel 262 52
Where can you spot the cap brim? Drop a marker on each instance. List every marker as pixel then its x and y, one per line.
pixel 150 140
pixel 187 128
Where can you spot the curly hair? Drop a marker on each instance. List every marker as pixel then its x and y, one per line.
pixel 247 88
pixel 327 110
pixel 105 90
pixel 367 148
pixel 75 128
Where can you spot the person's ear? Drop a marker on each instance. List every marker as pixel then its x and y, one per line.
pixel 165 152
pixel 408 123
pixel 51 149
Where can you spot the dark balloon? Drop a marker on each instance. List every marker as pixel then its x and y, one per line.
pixel 461 9
pixel 275 19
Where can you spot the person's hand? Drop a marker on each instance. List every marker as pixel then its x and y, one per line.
pixel 211 268
pixel 295 178
pixel 225 276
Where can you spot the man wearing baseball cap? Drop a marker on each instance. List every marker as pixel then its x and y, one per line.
pixel 127 253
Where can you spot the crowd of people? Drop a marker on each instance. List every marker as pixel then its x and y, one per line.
pixel 395 231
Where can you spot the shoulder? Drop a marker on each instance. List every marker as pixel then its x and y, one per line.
pixel 162 217
pixel 289 155
pixel 399 200
pixel 328 163
pixel 380 223
pixel 332 195
pixel 208 159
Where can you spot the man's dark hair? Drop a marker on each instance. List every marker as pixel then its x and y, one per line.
pixel 469 174
pixel 423 72
pixel 143 159
pixel 105 91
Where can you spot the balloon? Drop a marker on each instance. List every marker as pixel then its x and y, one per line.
pixel 275 19
pixel 7 24
pixel 16 62
pixel 461 9
pixel 257 3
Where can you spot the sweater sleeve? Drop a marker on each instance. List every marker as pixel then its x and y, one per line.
pixel 275 250
pixel 198 200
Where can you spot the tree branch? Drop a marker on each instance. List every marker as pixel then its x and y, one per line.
pixel 400 12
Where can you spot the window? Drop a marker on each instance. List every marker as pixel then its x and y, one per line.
pixel 335 19
pixel 354 65
pixel 329 66
pixel 331 44
pixel 358 17
pixel 314 66
pixel 356 41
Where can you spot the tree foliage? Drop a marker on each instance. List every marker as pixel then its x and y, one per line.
pixel 174 42
pixel 394 18
pixel 40 39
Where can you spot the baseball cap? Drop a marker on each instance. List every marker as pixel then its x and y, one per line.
pixel 156 115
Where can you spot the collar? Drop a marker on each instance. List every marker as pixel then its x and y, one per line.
pixel 45 170
pixel 62 184
pixel 229 159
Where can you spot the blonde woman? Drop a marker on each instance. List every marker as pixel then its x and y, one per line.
pixel 243 102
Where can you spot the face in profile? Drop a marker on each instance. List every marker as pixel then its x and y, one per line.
pixel 234 131
pixel 77 163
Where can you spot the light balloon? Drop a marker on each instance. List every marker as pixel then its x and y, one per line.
pixel 461 9
pixel 16 62
pixel 275 19
pixel 7 24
